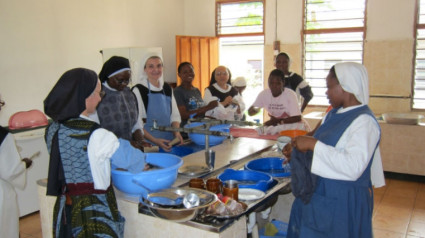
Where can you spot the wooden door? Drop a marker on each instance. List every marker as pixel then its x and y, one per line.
pixel 202 52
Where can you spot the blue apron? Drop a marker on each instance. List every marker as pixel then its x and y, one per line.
pixel 159 109
pixel 337 208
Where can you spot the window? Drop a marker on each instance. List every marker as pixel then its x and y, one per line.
pixel 240 28
pixel 333 32
pixel 239 18
pixel 419 82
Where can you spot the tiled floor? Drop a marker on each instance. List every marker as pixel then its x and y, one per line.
pixel 399 212
pixel 30 226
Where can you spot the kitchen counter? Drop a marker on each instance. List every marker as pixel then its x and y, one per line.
pixel 401 146
pixel 230 154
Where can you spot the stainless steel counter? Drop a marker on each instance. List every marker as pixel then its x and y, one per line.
pixel 229 155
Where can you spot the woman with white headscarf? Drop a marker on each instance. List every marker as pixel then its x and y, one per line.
pixel 333 171
pixel 12 175
pixel 156 102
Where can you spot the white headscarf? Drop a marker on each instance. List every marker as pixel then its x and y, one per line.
pixel 144 76
pixel 353 79
pixel 239 82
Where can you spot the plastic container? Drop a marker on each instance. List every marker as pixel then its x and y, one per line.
pixel 271 165
pixel 153 180
pixel 179 151
pixel 199 139
pixel 292 133
pixel 248 179
pixel 27 119
pixel 281 226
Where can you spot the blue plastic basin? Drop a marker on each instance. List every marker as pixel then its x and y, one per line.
pixel 183 150
pixel 199 139
pixel 270 165
pixel 248 179
pixel 151 180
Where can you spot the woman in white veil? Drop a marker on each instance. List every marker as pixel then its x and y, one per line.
pixel 156 102
pixel 332 172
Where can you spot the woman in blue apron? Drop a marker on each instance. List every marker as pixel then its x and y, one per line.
pixel 333 171
pixel 156 103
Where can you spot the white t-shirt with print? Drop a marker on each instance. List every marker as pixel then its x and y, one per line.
pixel 283 106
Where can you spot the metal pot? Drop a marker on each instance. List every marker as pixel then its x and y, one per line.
pixel 206 198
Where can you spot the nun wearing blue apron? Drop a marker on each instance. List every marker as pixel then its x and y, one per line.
pixel 334 170
pixel 156 102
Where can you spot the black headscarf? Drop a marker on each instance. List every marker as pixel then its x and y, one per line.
pixel 67 99
pixel 112 65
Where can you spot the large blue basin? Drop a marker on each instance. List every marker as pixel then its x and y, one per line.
pixel 248 179
pixel 270 165
pixel 199 139
pixel 183 150
pixel 151 180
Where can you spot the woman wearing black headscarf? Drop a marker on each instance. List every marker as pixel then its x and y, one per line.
pixel 79 169
pixel 118 110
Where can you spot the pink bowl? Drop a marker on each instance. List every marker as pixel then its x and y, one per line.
pixel 27 119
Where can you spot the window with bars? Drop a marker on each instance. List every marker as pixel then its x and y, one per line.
pixel 419 82
pixel 235 17
pixel 333 32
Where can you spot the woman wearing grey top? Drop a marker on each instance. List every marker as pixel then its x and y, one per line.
pixel 189 99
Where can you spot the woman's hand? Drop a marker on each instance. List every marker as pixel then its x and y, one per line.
pixel 27 162
pixel 212 105
pixel 272 122
pixel 286 151
pixel 140 144
pixel 227 101
pixel 179 137
pixel 163 143
pixel 304 143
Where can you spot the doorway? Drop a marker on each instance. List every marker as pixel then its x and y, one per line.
pixel 244 56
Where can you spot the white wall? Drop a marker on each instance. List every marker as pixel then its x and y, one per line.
pixel 386 20
pixel 390 19
pixel 199 17
pixel 283 21
pixel 42 39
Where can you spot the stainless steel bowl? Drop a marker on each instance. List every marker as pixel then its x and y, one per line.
pixel 179 214
pixel 402 118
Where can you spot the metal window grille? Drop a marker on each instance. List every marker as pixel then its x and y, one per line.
pixel 239 18
pixel 333 32
pixel 419 81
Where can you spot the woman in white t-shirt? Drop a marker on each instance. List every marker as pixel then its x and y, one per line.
pixel 281 104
